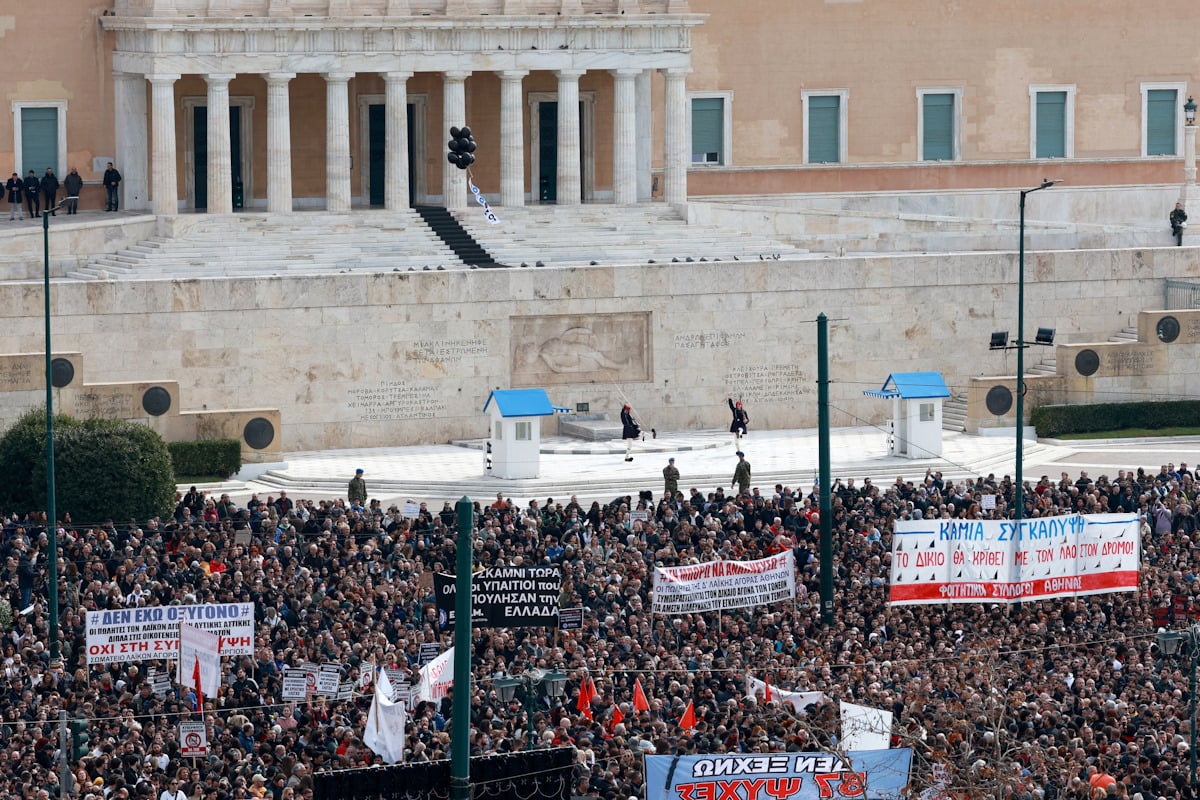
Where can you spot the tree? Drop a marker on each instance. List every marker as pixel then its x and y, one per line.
pixel 110 469
pixel 23 459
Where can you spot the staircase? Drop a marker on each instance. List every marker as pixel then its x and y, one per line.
pixel 1125 335
pixel 447 228
pixel 954 413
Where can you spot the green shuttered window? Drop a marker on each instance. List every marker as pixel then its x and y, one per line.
pixel 39 139
pixel 1160 122
pixel 937 127
pixel 824 134
pixel 708 130
pixel 1051 124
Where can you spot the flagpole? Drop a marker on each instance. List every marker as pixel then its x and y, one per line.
pixel 460 734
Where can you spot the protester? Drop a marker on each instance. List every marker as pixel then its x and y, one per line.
pixel 1045 695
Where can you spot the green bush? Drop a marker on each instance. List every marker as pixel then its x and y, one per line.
pixel 1057 420
pixel 23 459
pixel 209 458
pixel 112 469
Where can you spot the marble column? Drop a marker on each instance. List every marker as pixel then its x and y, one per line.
pixel 569 181
pixel 644 88
pixel 675 132
pixel 395 179
pixel 220 167
pixel 625 136
pixel 454 115
pixel 337 142
pixel 279 143
pixel 129 110
pixel 163 180
pixel 512 139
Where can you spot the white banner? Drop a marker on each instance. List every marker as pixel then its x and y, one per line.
pixel 797 700
pixel 718 585
pixel 384 733
pixel 488 214
pixel 991 561
pixel 865 728
pixel 199 660
pixel 437 677
pixel 136 634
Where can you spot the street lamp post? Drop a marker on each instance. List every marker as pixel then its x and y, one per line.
pixel 1019 511
pixel 1189 196
pixel 1168 642
pixel 51 511
pixel 533 682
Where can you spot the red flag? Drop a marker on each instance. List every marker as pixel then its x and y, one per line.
pixel 639 697
pixel 688 720
pixel 617 718
pixel 199 690
pixel 587 691
pixel 766 688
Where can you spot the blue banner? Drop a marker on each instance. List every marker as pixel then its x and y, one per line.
pixel 867 774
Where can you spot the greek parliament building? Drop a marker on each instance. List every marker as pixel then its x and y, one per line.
pixel 285 105
pixel 687 181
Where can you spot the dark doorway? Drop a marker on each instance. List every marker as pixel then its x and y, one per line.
pixel 548 152
pixel 200 155
pixel 377 154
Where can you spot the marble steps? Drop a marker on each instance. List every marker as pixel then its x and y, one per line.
pixel 1125 335
pixel 954 413
pixel 1047 366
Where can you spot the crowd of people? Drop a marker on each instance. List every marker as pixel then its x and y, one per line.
pixel 1056 700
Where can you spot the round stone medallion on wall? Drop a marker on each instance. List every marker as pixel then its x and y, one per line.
pixel 156 401
pixel 259 433
pixel 1167 329
pixel 62 372
pixel 1087 362
pixel 999 400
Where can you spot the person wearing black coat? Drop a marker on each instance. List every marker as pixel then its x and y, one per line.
pixel 630 430
pixel 33 202
pixel 740 420
pixel 73 183
pixel 50 189
pixel 13 189
pixel 26 577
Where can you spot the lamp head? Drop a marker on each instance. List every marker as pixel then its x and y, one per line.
pixel 1189 111
pixel 999 340
pixel 1048 182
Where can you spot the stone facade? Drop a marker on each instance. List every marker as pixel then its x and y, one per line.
pixel 361 360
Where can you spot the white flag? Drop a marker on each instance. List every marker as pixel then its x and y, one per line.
pixel 385 723
pixel 865 728
pixel 199 660
pixel 437 677
pixel 797 700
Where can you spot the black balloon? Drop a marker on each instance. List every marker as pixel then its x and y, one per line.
pixel 455 132
pixel 464 132
pixel 469 146
pixel 455 145
pixel 453 159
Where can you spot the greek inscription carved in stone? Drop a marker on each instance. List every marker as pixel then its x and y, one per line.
pixel 102 405
pixel 395 399
pixel 708 340
pixel 17 373
pixel 768 383
pixel 441 350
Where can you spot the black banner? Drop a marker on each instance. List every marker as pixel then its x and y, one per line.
pixel 505 597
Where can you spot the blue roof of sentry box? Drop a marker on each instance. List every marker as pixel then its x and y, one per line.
pixel 912 386
pixel 521 402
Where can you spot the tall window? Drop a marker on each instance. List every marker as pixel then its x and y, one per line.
pixel 1162 132
pixel 938 124
pixel 39 133
pixel 708 130
pixel 1052 122
pixel 824 127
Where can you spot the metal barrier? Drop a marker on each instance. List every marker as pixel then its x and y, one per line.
pixel 1181 295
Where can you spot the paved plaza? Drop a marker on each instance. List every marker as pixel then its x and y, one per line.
pixel 597 470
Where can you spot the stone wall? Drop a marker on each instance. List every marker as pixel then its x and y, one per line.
pixel 355 360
